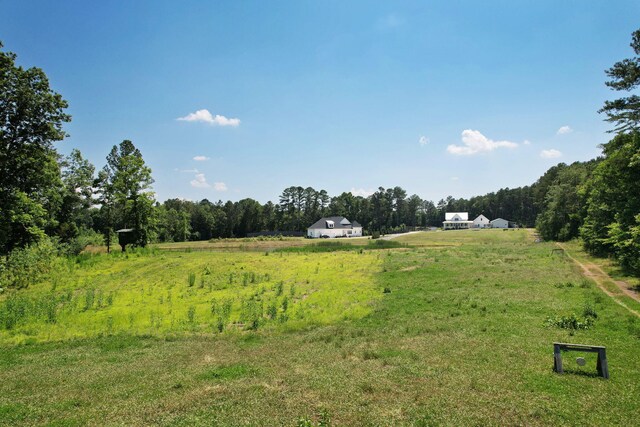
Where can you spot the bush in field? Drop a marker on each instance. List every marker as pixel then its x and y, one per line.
pixel 251 314
pixel 18 308
pixel 13 310
pixel 89 297
pixel 28 265
pixel 272 311
pixel 82 240
pixel 221 313
pixel 191 315
pixel 572 321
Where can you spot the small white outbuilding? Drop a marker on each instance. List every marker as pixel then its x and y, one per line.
pixel 499 223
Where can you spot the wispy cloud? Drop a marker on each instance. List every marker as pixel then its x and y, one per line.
pixel 475 142
pixel 206 117
pixel 550 154
pixel 423 140
pixel 361 192
pixel 526 142
pixel 200 158
pixel 200 181
pixel 220 186
pixel 564 130
pixel 454 178
pixel 390 22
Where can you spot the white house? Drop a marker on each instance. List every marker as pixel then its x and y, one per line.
pixel 334 226
pixel 456 221
pixel 481 222
pixel 499 223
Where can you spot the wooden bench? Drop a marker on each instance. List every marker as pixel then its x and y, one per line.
pixel 602 366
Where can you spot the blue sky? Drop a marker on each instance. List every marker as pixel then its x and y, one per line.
pixel 441 98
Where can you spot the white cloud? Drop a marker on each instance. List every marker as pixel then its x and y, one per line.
pixel 200 158
pixel 361 192
pixel 526 142
pixel 200 181
pixel 423 140
pixel 206 117
pixel 475 142
pixel 550 154
pixel 188 170
pixel 564 130
pixel 220 186
pixel 454 178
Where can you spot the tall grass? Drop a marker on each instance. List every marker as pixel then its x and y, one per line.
pixel 335 246
pixel 105 294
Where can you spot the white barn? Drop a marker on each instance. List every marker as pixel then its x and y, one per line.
pixel 334 226
pixel 481 222
pixel 456 221
pixel 499 223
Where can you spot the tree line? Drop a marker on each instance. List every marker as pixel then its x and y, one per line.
pixel 44 194
pixel 599 201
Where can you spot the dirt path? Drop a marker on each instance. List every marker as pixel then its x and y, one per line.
pixel 393 236
pixel 598 275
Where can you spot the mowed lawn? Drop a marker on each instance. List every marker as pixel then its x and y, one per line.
pixel 450 331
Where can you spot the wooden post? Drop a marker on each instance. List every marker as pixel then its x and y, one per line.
pixel 557 358
pixel 603 366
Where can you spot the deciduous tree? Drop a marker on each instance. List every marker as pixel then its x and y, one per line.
pixel 31 119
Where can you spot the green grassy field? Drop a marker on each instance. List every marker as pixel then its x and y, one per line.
pixel 453 330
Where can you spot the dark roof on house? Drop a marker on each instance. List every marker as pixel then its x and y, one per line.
pixel 337 223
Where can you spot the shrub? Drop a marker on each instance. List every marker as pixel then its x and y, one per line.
pixel 589 312
pixel 13 310
pixel 571 322
pixel 89 296
pixel 191 315
pixel 191 279
pixel 86 237
pixel 272 311
pixel 220 324
pixel 28 265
